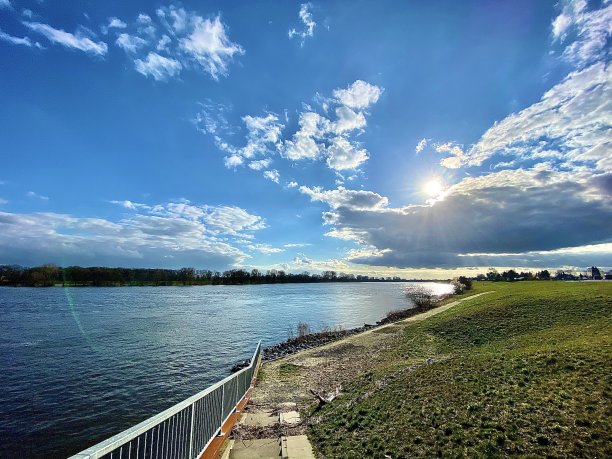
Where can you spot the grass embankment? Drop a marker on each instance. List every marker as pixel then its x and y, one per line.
pixel 524 371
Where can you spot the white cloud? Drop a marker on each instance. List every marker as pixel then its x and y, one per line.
pixel 294 245
pixel 263 131
pixel 163 43
pixel 233 161
pixel 573 118
pixel 457 155
pixel 591 29
pixel 260 164
pixel 25 41
pixel 5 4
pixel 178 16
pixel 421 146
pixel 113 23
pixel 3 201
pixel 292 184
pixel 304 144
pixel 272 175
pixel 209 45
pixel 343 155
pixel 75 41
pixel 317 137
pixel 308 22
pixel 232 220
pixel 31 194
pixel 26 13
pixel 172 235
pixel 359 95
pixel 159 67
pixel 130 43
pixel 348 120
pixel 144 19
pixel 266 249
pixel 341 197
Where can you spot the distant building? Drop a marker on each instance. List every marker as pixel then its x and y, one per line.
pixel 608 275
pixel 594 273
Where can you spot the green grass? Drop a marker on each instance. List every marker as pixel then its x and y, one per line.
pixel 525 371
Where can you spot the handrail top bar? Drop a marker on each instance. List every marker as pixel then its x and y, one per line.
pixel 122 438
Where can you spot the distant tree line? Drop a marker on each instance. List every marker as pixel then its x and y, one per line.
pixel 511 275
pixel 50 275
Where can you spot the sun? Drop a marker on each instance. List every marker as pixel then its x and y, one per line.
pixel 433 188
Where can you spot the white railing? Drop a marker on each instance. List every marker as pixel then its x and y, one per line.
pixel 184 430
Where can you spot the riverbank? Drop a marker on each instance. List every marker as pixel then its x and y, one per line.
pixel 312 340
pixel 523 370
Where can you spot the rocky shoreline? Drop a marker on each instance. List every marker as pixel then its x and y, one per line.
pixel 311 340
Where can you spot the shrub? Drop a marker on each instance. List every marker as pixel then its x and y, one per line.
pixel 458 286
pixel 422 297
pixel 303 329
pixel 465 281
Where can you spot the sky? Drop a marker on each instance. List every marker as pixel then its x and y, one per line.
pixel 418 139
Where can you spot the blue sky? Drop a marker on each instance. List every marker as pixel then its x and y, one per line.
pixel 411 138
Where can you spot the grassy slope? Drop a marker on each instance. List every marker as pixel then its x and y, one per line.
pixel 524 371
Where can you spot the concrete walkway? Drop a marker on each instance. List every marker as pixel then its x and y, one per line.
pixel 259 434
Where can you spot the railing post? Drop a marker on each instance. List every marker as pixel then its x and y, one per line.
pixel 191 432
pixel 222 405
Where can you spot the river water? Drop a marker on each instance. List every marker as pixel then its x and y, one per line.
pixel 80 364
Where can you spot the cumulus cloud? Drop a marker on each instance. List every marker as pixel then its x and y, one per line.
pixel 79 40
pixel 505 212
pixel 5 4
pixel 159 67
pixel 343 155
pixel 318 136
pixel 306 141
pixel 359 95
pixel 308 23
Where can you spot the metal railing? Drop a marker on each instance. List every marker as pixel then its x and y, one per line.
pixel 184 430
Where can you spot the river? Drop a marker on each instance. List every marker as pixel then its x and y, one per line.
pixel 80 364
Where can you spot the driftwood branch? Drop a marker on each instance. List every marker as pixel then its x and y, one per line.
pixel 323 400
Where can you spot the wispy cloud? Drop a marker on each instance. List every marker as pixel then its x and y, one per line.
pixel 209 45
pixel 591 28
pixel 79 40
pixel 159 67
pixel 308 23
pixel 420 146
pixel 113 23
pixel 32 194
pixel 130 43
pixel 23 41
pixel 5 4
